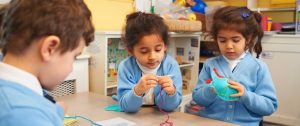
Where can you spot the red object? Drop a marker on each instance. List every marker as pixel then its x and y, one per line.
pixel 208 81
pixel 276 26
pixel 216 72
pixel 264 23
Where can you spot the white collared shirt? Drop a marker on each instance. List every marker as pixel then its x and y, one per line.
pixel 233 63
pixel 11 73
pixel 148 98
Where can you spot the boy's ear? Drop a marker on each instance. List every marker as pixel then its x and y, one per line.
pixel 49 46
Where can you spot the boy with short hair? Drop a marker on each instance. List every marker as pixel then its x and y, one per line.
pixel 40 40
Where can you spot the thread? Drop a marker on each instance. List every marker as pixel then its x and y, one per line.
pixel 166 122
pixel 75 117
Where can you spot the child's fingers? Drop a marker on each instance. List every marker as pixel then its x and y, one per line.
pixel 239 88
pixel 150 82
pixel 164 85
pixel 163 81
pixel 234 86
pixel 150 77
pixel 231 82
pixel 237 95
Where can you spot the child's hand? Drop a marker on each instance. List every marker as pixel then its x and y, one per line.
pixel 146 82
pixel 235 85
pixel 167 84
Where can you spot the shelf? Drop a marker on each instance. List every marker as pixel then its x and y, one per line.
pixel 273 9
pixel 186 65
pixel 111 84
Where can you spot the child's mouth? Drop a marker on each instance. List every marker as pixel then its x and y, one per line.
pixel 151 64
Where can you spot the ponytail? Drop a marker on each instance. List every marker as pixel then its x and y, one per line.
pixel 260 34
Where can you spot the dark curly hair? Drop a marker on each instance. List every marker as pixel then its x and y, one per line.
pixel 139 24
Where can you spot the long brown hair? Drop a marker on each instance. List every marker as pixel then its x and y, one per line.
pixel 242 20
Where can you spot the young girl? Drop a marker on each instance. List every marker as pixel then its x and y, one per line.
pixel 149 76
pixel 238 33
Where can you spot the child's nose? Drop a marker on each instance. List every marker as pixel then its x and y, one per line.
pixel 152 55
pixel 229 45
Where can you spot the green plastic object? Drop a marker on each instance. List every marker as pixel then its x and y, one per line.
pixel 114 107
pixel 221 87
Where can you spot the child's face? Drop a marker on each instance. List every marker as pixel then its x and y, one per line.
pixel 60 67
pixel 149 51
pixel 231 43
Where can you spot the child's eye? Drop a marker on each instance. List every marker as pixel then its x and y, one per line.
pixel 158 50
pixel 222 40
pixel 143 51
pixel 236 40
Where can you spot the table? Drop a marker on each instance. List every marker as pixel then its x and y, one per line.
pixel 91 105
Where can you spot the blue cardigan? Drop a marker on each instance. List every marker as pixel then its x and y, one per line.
pixel 129 75
pixel 258 100
pixel 20 106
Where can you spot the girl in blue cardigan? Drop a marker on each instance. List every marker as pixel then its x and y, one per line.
pixel 149 76
pixel 237 32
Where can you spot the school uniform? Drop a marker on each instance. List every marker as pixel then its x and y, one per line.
pixel 258 100
pixel 129 74
pixel 22 102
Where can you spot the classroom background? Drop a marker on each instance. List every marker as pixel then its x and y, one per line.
pixel 96 69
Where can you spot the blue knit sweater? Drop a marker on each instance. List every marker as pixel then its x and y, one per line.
pixel 258 100
pixel 129 74
pixel 20 106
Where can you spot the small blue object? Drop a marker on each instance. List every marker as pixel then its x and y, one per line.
pixel 222 87
pixel 245 15
pixel 114 107
pixel 199 7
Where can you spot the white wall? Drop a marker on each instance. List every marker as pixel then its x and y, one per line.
pixel 4 1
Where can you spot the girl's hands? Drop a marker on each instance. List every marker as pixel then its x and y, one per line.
pixel 235 85
pixel 146 82
pixel 167 84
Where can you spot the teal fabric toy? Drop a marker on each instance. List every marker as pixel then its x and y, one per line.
pixel 114 107
pixel 220 85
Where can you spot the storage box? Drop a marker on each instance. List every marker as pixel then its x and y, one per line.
pixel 183 25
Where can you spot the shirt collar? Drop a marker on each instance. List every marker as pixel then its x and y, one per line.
pixel 11 73
pixel 233 63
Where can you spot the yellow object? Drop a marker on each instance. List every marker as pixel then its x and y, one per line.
pixel 192 17
pixel 180 2
pixel 69 121
pixel 283 1
pixel 216 3
pixel 269 23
